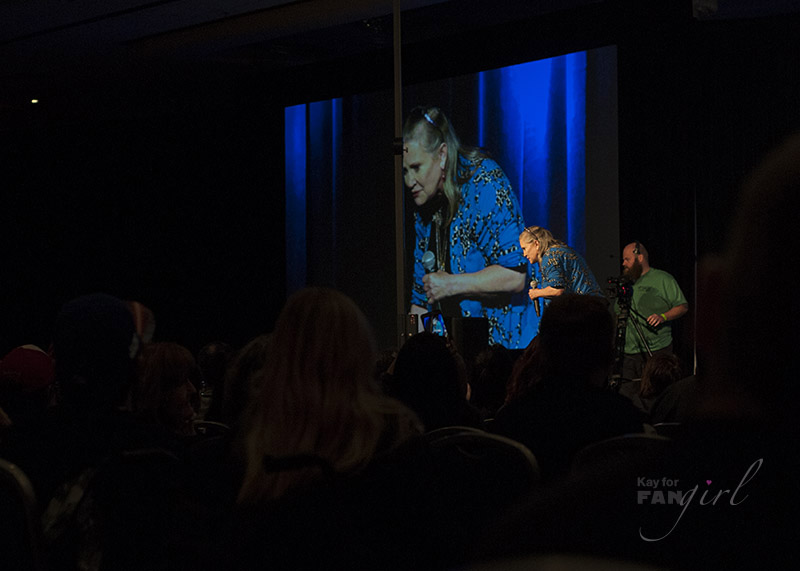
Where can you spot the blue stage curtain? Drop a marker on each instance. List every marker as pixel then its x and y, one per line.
pixel 295 176
pixel 532 119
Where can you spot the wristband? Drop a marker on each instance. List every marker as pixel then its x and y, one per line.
pixel 664 317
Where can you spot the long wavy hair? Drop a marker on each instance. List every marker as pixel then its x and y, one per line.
pixel 238 385
pixel 317 399
pixel 430 128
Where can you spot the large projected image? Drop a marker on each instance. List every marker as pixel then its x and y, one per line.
pixel 550 125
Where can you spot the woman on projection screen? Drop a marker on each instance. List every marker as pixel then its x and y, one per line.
pixel 469 219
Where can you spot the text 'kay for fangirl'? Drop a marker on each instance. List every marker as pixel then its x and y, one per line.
pixel 655 491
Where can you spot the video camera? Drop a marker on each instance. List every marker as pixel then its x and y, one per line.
pixel 620 288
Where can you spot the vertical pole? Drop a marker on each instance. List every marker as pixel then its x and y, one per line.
pixel 696 281
pixel 399 215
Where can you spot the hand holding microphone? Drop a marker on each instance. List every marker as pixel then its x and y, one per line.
pixel 429 263
pixel 536 305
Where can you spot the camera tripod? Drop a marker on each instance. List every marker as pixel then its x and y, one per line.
pixel 619 343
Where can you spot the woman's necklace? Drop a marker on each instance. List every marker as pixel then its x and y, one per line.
pixel 441 239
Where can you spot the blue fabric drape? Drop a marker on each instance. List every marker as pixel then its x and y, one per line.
pixel 295 175
pixel 533 120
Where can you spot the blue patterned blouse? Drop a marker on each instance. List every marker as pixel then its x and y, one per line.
pixel 484 232
pixel 564 268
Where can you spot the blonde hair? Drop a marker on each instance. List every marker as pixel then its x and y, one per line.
pixel 543 235
pixel 430 128
pixel 317 397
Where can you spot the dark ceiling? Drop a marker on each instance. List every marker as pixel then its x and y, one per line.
pixel 43 42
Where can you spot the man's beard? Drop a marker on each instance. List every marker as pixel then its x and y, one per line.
pixel 634 272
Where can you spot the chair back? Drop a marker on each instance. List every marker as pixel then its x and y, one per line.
pixel 471 477
pixel 210 428
pixel 439 433
pixel 629 451
pixel 668 429
pixel 20 529
pixel 510 465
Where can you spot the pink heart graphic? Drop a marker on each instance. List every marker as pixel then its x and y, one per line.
pixel 708 482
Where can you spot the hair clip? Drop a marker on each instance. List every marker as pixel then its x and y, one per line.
pixel 429 120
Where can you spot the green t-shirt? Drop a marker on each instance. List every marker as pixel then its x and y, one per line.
pixel 654 292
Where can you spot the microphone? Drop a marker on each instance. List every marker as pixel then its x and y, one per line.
pixel 536 301
pixel 429 261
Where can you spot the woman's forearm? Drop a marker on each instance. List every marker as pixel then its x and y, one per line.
pixel 492 279
pixel 547 291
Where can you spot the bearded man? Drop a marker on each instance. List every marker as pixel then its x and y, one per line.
pixel 657 300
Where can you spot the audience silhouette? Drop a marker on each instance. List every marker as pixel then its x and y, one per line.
pixel 430 377
pixel 333 458
pixel 27 374
pixel 724 494
pixel 558 402
pixel 490 376
pixel 163 392
pixel 660 372
pixel 213 360
pixel 101 507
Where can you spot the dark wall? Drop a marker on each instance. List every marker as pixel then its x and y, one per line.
pixel 161 188
pixel 656 194
pixel 746 101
